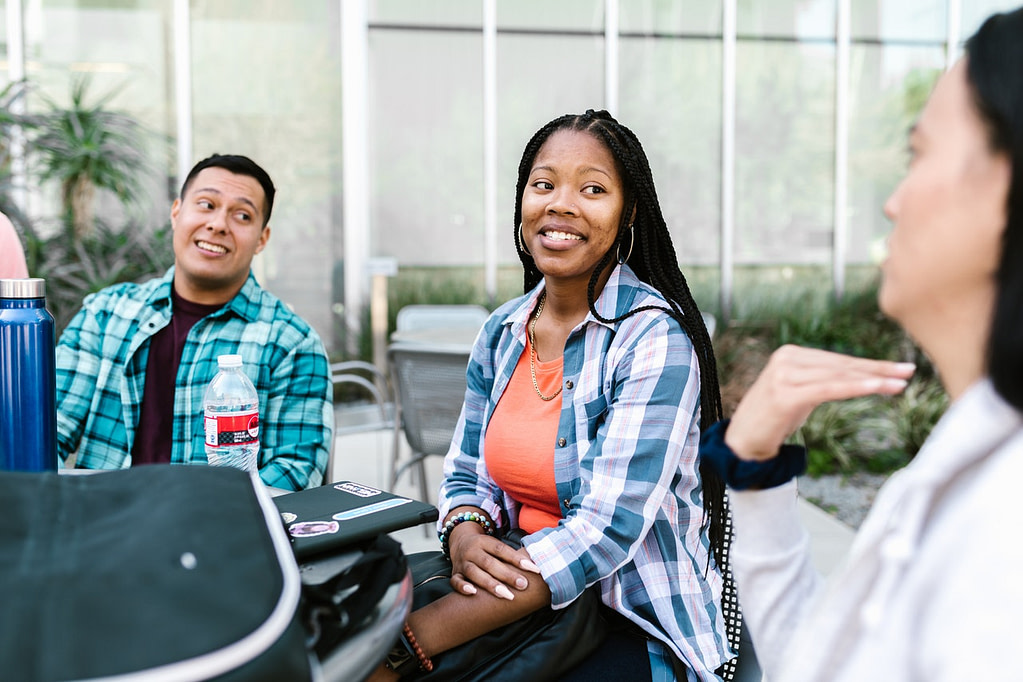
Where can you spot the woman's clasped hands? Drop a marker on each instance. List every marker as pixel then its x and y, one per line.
pixel 482 561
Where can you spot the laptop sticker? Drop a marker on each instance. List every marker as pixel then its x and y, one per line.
pixel 349 514
pixel 356 489
pixel 308 529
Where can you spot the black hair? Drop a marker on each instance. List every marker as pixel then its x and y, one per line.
pixel 652 257
pixel 239 165
pixel 994 63
pixel 644 236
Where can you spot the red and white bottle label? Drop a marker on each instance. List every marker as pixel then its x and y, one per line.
pixel 239 428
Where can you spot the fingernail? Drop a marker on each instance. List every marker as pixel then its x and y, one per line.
pixel 529 566
pixel 906 366
pixel 895 384
pixel 521 583
pixel 469 589
pixel 504 593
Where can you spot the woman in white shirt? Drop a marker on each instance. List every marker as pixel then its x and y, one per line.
pixel 931 588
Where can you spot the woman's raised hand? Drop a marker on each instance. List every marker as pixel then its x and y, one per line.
pixel 794 382
pixel 482 561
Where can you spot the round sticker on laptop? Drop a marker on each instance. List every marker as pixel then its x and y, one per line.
pixel 308 529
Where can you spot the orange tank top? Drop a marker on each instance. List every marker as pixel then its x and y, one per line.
pixel 519 443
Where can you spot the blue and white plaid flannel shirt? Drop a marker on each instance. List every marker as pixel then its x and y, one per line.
pixel 625 467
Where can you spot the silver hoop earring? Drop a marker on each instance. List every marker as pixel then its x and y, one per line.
pixel 632 242
pixel 522 244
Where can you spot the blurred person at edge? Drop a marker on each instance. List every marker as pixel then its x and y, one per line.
pixel 133 364
pixel 930 590
pixel 12 255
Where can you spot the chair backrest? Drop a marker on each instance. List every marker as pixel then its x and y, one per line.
pixel 430 388
pixel 428 316
pixel 373 406
pixel 362 404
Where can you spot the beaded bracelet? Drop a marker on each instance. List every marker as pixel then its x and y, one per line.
pixel 424 661
pixel 407 656
pixel 475 517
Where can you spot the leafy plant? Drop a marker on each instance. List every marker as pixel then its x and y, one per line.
pixel 75 268
pixel 10 96
pixel 915 412
pixel 88 146
pixel 834 437
pixel 876 434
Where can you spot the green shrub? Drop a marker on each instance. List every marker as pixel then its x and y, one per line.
pixel 874 433
pixel 74 268
pixel 835 438
pixel 915 412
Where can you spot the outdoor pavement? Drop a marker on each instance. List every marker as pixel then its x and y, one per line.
pixel 365 458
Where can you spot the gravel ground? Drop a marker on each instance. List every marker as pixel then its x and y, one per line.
pixel 847 498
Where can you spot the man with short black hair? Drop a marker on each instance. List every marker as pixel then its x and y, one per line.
pixel 133 364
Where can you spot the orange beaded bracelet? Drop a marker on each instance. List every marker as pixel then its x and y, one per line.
pixel 424 661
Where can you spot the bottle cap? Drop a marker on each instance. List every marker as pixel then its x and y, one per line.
pixel 32 287
pixel 229 361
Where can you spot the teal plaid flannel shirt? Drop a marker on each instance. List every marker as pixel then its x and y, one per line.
pixel 101 365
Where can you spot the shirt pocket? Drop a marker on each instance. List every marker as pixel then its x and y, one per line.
pixel 595 411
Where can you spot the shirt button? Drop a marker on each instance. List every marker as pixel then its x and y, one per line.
pixel 569 385
pixel 562 442
pixel 565 502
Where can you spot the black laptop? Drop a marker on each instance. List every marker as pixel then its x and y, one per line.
pixel 330 517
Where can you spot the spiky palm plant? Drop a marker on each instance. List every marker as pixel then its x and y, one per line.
pixel 87 146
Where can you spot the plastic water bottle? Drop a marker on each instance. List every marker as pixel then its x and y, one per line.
pixel 231 409
pixel 28 378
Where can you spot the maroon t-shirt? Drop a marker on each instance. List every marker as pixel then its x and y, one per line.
pixel 155 433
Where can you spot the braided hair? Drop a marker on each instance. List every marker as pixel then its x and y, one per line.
pixel 652 258
pixel 651 255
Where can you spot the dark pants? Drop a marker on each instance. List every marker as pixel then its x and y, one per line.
pixel 622 657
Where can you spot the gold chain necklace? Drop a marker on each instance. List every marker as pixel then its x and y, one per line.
pixel 532 353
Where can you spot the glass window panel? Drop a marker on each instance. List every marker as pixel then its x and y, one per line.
pixel 889 86
pixel 426 147
pixel 540 77
pixel 575 15
pixel 671 98
pixel 801 19
pixel 123 52
pixel 4 79
pixel 461 13
pixel 899 20
pixel 784 168
pixel 974 12
pixel 686 17
pixel 266 84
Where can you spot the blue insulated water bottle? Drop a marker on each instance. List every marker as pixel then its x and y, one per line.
pixel 28 378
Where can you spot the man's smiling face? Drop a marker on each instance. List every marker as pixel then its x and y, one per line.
pixel 218 228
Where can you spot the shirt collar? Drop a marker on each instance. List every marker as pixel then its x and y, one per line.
pixel 245 303
pixel 615 299
pixel 975 425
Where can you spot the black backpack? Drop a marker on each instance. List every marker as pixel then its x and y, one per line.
pixel 166 572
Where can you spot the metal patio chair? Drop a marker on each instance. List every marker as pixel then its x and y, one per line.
pixel 363 402
pixel 429 386
pixel 428 316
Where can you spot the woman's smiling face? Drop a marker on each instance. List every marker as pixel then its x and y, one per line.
pixel 571 205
